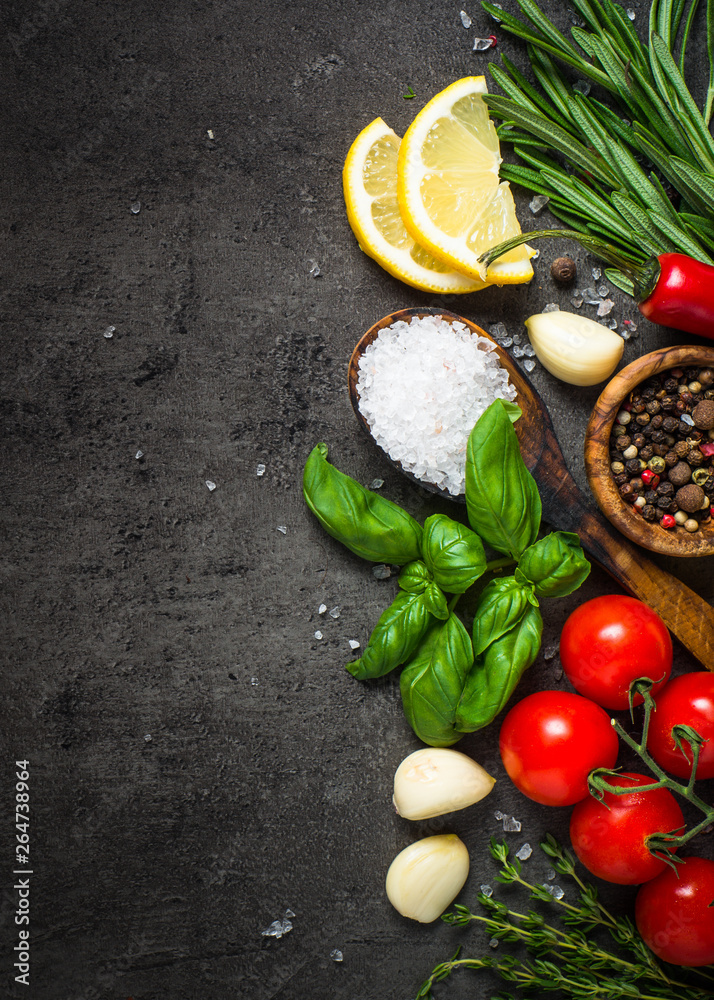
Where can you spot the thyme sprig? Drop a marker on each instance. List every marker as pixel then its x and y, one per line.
pixel 570 961
pixel 609 169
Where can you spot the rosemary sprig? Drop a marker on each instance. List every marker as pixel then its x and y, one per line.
pixel 596 180
pixel 570 960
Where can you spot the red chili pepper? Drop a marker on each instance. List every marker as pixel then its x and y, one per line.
pixel 673 289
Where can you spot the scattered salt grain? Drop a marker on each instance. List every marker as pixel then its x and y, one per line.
pixel 282 529
pixel 523 853
pixel 582 87
pixel 605 307
pixel 555 891
pixel 486 890
pixel 278 928
pixel 596 273
pixel 538 203
pixel 499 331
pixel 498 814
pixel 422 386
pixel 576 300
pixel 483 44
pixel 611 324
pixel 289 914
pixel 209 133
pixel 260 470
pixel 318 634
pixel 518 352
pixel 465 19
pixel 517 338
pixel 147 738
pixel 603 291
pixel 686 418
pixel 507 342
pixel 550 652
pixel 625 334
pixel 376 484
pixel 529 365
pixel 631 13
pixel 336 955
pixel 381 571
pixel 315 271
pixel 630 325
pixel 493 943
pixel 550 874
pixel 322 609
pixel 211 485
pixel 511 824
pixel 135 207
pixel 591 297
pixel 109 332
pixel 551 307
pixel 139 454
pixel 529 351
pixel 354 644
pixel 335 612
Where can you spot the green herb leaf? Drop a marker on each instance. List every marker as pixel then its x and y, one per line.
pixel 495 674
pixel 415 577
pixel 397 634
pixel 435 602
pixel 369 525
pixel 500 607
pixel 453 553
pixel 432 682
pixel 556 564
pixel 502 499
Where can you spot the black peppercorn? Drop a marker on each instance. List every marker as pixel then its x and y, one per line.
pixel 621 478
pixel 649 512
pixel 670 425
pixel 563 270
pixel 642 419
pixel 646 453
pixel 695 457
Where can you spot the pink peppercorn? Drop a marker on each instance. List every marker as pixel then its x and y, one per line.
pixel 707 449
pixel 650 478
pixel 667 521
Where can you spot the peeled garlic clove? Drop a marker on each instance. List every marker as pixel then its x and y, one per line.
pixel 427 876
pixel 434 781
pixel 574 348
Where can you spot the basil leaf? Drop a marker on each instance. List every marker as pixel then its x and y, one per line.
pixel 500 607
pixel 512 409
pixel 556 564
pixel 453 553
pixel 369 525
pixel 435 602
pixel 432 682
pixel 395 637
pixel 495 674
pixel 502 498
pixel 415 577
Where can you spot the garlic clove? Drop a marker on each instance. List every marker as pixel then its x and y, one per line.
pixel 574 348
pixel 427 876
pixel 434 781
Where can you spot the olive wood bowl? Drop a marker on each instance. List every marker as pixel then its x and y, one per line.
pixel 565 507
pixel 625 517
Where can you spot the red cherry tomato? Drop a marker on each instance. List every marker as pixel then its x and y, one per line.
pixel 550 741
pixel 686 700
pixel 675 916
pixel 610 641
pixel 610 836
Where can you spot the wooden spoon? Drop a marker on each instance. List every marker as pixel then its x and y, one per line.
pixel 688 616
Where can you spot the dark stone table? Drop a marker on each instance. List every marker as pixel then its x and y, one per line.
pixel 199 761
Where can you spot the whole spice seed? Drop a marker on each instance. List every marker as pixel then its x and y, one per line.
pixel 667 472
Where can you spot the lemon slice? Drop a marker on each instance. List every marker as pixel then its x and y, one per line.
pixel 370 187
pixel 450 196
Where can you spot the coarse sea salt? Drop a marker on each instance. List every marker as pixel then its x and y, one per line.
pixel 422 386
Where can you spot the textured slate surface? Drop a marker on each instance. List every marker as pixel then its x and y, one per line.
pixel 138 604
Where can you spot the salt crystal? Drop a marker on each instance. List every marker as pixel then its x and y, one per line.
pixel 482 44
pixel 135 207
pixel 603 291
pixel 354 644
pixel 576 300
pixel 493 943
pixel 557 892
pixel 422 386
pixel 550 652
pixel 551 307
pixel 597 273
pixel 550 874
pixel 524 852
pixel 260 470
pixel 335 612
pixel 318 634
pixel 498 814
pixel 625 334
pixel 529 365
pixel 486 890
pixel 376 484
pixel 517 338
pixel 507 342
pixel 582 87
pixel 315 269
pixel 147 738
pixel 322 609
pixel 687 419
pixel 254 682
pixel 529 351
pixel 465 19
pixel 518 352
pixel 289 914
pixel 631 13
pixel 511 824
pixel 605 307
pixel 282 529
pixel 538 203
pixel 109 332
pixel 211 485
pixel 611 324
pixel 336 955
pixel 382 572
pixel 499 331
pixel 139 454
pixel 210 134
pixel 591 297
pixel 631 326
pixel 278 928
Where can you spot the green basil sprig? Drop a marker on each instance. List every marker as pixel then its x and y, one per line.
pixel 397 634
pixel 369 525
pixel 502 499
pixel 432 682
pixel 451 685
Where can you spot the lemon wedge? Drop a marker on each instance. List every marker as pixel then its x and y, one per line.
pixel 449 193
pixel 370 187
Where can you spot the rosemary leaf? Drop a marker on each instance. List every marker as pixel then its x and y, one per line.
pixel 694 181
pixel 554 111
pixel 547 28
pixel 685 36
pixel 620 280
pixel 669 66
pixel 709 105
pixel 640 221
pixel 682 240
pixel 551 80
